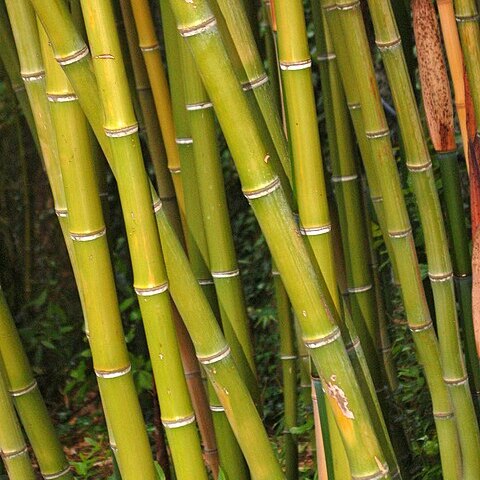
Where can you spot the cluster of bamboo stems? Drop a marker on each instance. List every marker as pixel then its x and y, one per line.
pixel 86 75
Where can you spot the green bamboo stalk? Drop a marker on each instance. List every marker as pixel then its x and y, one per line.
pixel 218 234
pixel 186 293
pixel 28 399
pixel 13 449
pixel 288 358
pixel 307 291
pixel 350 20
pixel 87 229
pixel 150 279
pixel 256 80
pixel 420 166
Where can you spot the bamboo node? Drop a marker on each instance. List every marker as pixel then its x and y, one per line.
pixel 288 357
pixel 157 206
pixel 298 65
pixel 326 57
pixel 257 82
pixel 15 453
pixel 121 132
pixel 419 168
pixel 420 328
pixel 68 97
pixel 376 199
pixel 344 178
pixel 467 18
pixel 205 281
pixel 184 141
pixel 321 230
pixel 149 291
pixel 382 473
pixel 150 48
pixel 440 277
pixel 325 340
pixel 216 357
pixel 23 391
pixel 216 408
pixel 353 345
pixel 174 170
pixel 379 134
pixel 456 381
pixel 191 107
pixel 199 28
pixel 74 57
pixel 34 76
pixel 226 274
pixel 329 8
pixel 363 288
pixel 113 373
pixel 275 273
pixel 18 88
pixel 391 45
pixel 348 6
pixel 443 415
pixel 61 212
pixel 354 106
pixel 53 476
pixel 180 422
pixel 263 191
pixel 87 237
pixel 401 233
pixel 462 276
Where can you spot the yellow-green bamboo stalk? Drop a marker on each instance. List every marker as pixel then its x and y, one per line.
pixel 349 19
pixel 193 306
pixel 307 291
pixel 13 449
pixel 151 284
pixel 420 166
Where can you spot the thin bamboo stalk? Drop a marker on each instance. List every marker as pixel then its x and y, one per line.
pixel 307 291
pixel 150 281
pixel 193 306
pixel 420 166
pixel 350 20
pixel 14 451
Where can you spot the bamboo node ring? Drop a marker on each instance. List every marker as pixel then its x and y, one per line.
pixel 199 28
pixel 379 134
pixel 325 340
pixel 344 178
pixel 149 291
pixel 121 132
pixel 321 230
pixel 442 277
pixel 348 6
pixel 74 57
pixel 174 170
pixel 61 212
pixel 113 373
pixel 420 328
pixel 288 357
pixel 456 381
pixel 18 88
pixel 385 46
pixel 330 8
pixel 157 206
pixel 376 199
pixel 184 141
pixel 180 422
pixel 87 237
pixel 192 107
pixel 34 76
pixel 363 288
pixel 419 168
pixel 216 408
pixel 150 48
pixel 23 391
pixel 382 473
pixel 275 272
pixel 401 234
pixel 353 345
pixel 216 357
pixel 205 281
pixel 53 476
pixel 354 106
pixel 15 453
pixel 443 415
pixel 467 18
pixel 257 82
pixel 326 57
pixel 68 97
pixel 298 65
pixel 263 191
pixel 226 274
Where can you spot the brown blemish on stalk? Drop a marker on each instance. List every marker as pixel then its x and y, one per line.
pixel 338 395
pixel 433 76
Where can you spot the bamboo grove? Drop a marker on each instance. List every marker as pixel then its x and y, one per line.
pixel 331 111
